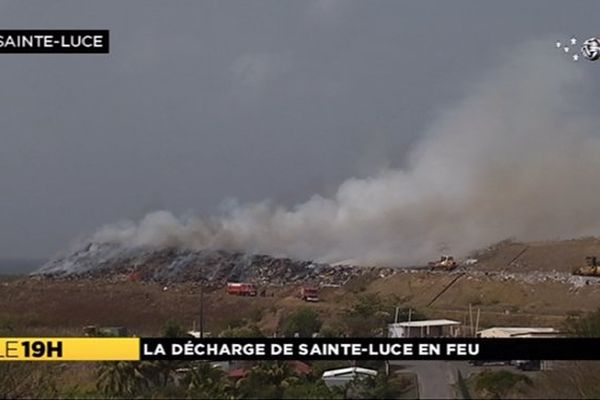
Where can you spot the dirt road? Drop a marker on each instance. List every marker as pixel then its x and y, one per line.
pixel 436 378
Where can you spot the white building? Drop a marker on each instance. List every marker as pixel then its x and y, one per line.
pixel 517 332
pixel 523 332
pixel 342 376
pixel 424 329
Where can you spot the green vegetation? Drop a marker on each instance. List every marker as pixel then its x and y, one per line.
pixel 359 284
pixel 332 330
pixel 310 390
pixel 256 314
pixel 174 329
pixel 122 378
pixel 587 325
pixel 463 387
pixel 569 380
pixel 28 380
pixel 385 386
pixel 196 379
pixel 206 382
pixel 371 313
pixel 248 331
pixel 498 384
pixel 16 325
pixel 267 380
pixel 264 380
pixel 318 367
pixel 235 322
pixel 304 322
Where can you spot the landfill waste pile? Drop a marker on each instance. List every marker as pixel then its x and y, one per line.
pixel 116 262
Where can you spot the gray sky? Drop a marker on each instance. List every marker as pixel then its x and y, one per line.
pixel 207 100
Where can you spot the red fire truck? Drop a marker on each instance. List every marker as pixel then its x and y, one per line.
pixel 309 294
pixel 241 289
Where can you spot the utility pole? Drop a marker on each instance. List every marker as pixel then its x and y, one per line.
pixel 201 311
pixel 470 320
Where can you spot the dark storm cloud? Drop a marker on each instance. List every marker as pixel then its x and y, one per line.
pixel 203 101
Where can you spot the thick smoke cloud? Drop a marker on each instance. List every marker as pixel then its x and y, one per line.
pixel 515 159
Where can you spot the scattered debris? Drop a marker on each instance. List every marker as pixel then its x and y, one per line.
pixel 114 262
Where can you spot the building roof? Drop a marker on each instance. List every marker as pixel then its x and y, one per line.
pixel 429 322
pixel 350 370
pixel 238 373
pixel 518 331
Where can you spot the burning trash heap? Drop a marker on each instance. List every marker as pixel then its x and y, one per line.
pixel 108 261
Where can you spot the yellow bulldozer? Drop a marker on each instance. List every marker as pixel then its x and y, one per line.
pixel 591 267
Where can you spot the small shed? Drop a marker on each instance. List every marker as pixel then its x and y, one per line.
pixel 424 329
pixel 342 376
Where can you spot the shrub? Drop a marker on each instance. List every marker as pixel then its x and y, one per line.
pixel 305 321
pixel 249 331
pixel 173 329
pixel 498 383
pixel 585 326
pixel 369 315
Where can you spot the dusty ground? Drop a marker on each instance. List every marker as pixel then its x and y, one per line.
pixel 33 306
pixel 561 255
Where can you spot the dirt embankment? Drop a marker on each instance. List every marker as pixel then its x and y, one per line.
pixel 34 306
pixel 561 256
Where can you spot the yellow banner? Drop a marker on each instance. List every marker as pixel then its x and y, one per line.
pixel 69 349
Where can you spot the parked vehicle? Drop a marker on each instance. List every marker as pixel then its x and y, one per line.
pixel 241 289
pixel 309 294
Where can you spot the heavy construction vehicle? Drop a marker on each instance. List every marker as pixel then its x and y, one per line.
pixel 591 267
pixel 445 263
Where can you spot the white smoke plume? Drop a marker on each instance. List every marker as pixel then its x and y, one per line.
pixel 515 159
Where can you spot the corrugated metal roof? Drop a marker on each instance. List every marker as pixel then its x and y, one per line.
pixel 515 331
pixel 350 370
pixel 429 322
